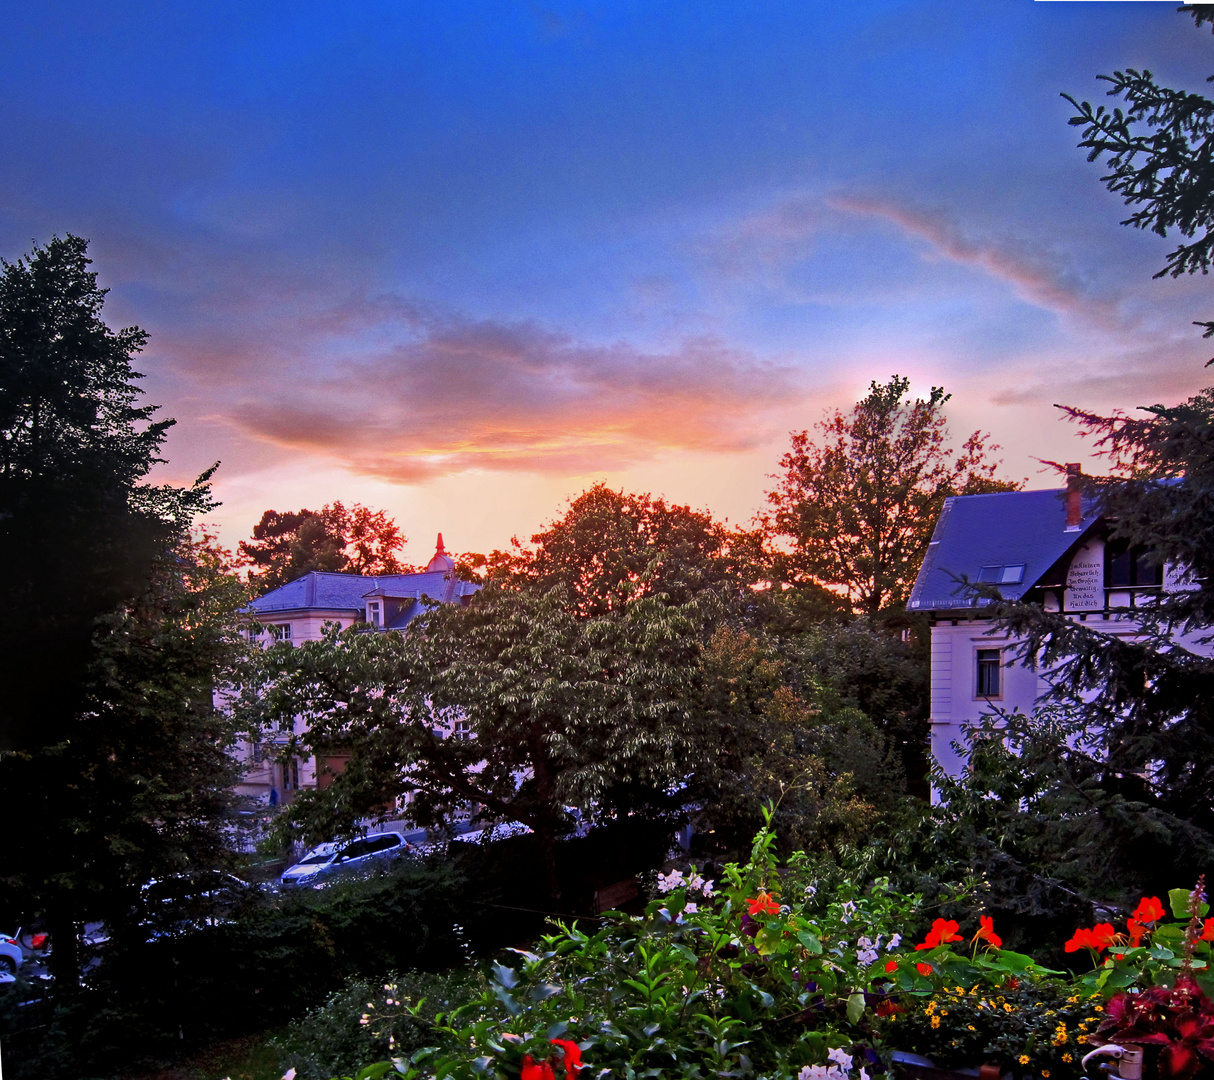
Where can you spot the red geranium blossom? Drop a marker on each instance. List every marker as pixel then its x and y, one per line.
pixel 1207 930
pixel 1099 937
pixel 942 930
pixel 763 904
pixel 924 969
pixel 892 965
pixel 533 1070
pixel 986 932
pixel 1149 909
pixel 573 1055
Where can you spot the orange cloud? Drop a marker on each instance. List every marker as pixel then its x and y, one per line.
pixel 459 394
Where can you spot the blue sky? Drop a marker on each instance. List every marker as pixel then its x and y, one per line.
pixel 460 260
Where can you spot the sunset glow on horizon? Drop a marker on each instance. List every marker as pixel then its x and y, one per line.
pixel 462 261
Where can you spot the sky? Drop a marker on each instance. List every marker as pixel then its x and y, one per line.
pixel 461 260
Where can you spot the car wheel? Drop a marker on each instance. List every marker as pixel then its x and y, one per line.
pixel 8 965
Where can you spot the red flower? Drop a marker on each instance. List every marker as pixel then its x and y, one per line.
pixel 1099 937
pixel 986 932
pixel 763 904
pixel 892 965
pixel 942 930
pixel 572 1055
pixel 1149 909
pixel 1136 930
pixel 534 1071
pixel 924 969
pixel 885 1007
pixel 1207 930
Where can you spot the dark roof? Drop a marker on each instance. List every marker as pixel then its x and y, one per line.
pixel 1007 528
pixel 348 592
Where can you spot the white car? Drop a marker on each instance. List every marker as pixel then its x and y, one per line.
pixel 11 956
pixel 327 861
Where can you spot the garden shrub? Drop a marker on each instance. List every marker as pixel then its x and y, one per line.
pixel 332 1038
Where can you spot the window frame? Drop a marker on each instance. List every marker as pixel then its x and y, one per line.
pixel 986 667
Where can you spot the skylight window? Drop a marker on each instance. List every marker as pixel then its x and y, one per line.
pixel 1006 574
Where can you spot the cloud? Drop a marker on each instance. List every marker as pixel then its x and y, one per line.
pixel 1038 276
pixel 452 394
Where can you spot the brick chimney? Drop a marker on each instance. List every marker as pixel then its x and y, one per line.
pixel 1074 496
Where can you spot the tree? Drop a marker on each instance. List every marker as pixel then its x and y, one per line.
pixel 111 745
pixel 78 532
pixel 553 710
pixel 611 548
pixel 858 506
pixel 1133 791
pixel 285 546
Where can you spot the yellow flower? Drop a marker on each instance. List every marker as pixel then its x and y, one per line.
pixel 1067 1058
pixel 1046 1073
pixel 1074 999
pixel 1024 1059
pixel 935 1021
pixel 1098 1008
pixel 971 1027
pixel 1081 1038
pixel 1008 1008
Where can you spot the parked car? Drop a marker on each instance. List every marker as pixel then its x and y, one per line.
pixel 191 901
pixel 11 955
pixel 489 834
pixel 327 861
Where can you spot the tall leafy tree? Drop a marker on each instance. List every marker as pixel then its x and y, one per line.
pixel 288 545
pixel 612 547
pixel 516 703
pixel 858 502
pixel 105 724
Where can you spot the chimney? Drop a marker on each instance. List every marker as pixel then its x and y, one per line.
pixel 1074 496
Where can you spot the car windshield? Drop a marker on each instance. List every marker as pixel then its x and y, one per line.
pixel 315 858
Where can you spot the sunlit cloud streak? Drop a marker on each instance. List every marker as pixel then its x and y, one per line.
pixel 1040 276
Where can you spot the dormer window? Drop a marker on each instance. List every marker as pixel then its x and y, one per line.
pixel 375 612
pixel 1127 567
pixel 1004 574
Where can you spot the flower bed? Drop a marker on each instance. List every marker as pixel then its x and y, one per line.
pixel 765 974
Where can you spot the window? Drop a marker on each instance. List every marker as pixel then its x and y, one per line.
pixel 1004 574
pixel 375 613
pixel 1128 567
pixel 461 729
pixel 280 631
pixel 988 673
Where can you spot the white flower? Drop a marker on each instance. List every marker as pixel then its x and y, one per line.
pixel 894 942
pixel 667 882
pixel 811 890
pixel 867 956
pixel 695 881
pixel 706 888
pixel 690 909
pixel 289 1074
pixel 840 1058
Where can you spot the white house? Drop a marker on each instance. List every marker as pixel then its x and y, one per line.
pixel 1046 547
pixel 299 611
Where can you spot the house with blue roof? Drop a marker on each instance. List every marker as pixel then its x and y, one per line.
pixel 301 610
pixel 1047 547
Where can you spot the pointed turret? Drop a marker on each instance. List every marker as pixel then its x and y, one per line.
pixel 442 562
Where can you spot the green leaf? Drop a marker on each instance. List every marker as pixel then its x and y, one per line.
pixel 855 1008
pixel 810 941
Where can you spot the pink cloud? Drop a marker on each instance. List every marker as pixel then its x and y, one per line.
pixel 1038 276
